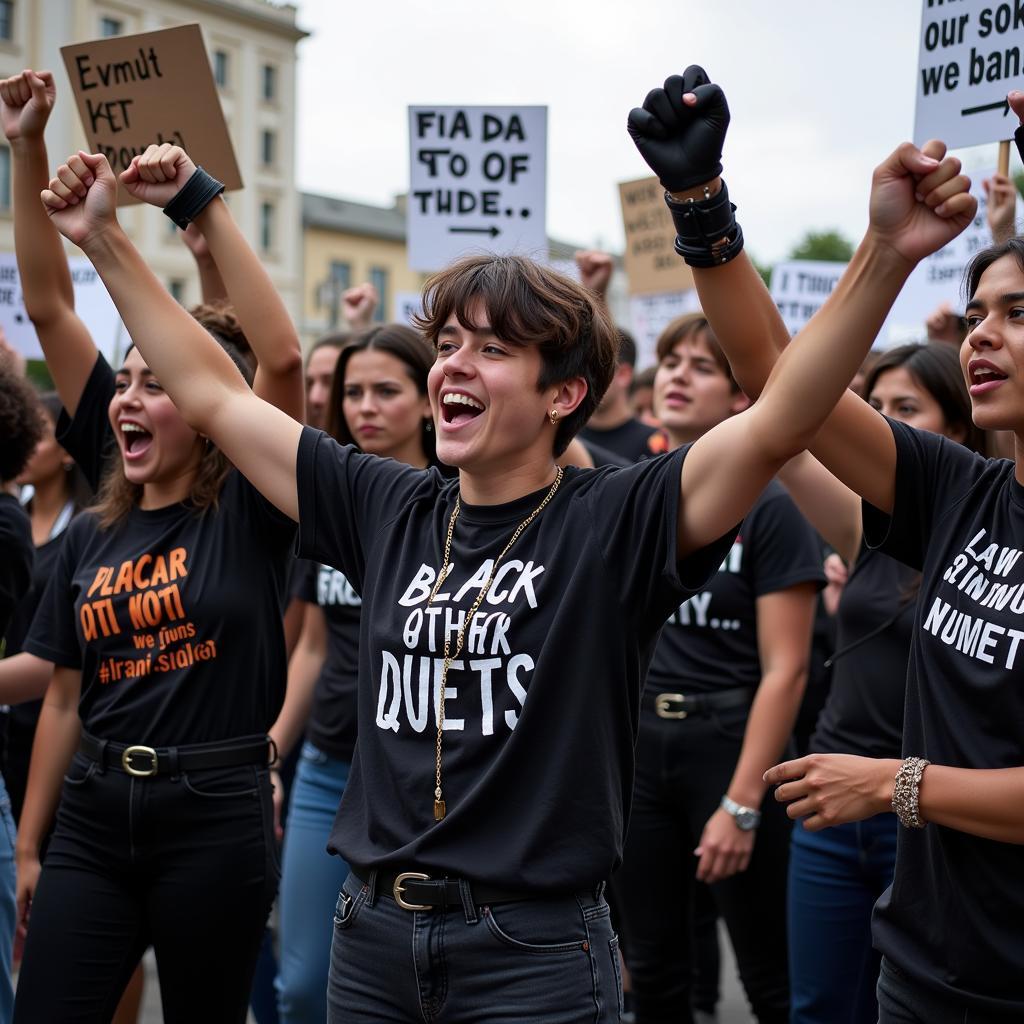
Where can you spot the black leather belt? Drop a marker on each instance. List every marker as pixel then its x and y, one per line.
pixel 142 761
pixel 679 705
pixel 415 890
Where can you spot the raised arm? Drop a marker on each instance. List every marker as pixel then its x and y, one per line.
pixel 197 373
pixel 25 104
pixel 680 132
pixel 211 284
pixel 157 177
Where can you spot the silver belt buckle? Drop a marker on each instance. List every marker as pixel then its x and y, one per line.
pixel 397 890
pixel 140 751
pixel 663 705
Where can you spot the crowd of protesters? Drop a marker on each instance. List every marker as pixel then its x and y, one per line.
pixel 504 667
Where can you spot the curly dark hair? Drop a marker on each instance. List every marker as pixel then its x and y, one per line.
pixel 21 421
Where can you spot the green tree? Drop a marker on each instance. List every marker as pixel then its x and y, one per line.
pixel 823 245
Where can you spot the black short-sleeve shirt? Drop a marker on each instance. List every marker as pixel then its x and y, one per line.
pixel 541 707
pixel 174 616
pixel 952 917
pixel 632 441
pixel 17 554
pixel 710 641
pixel 864 711
pixel 332 719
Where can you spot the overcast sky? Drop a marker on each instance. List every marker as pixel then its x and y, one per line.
pixel 820 91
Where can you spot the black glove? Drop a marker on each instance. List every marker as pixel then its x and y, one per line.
pixel 681 144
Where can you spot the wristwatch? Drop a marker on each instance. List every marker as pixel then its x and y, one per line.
pixel 746 818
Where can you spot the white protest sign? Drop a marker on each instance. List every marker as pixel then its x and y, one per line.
pixel 407 305
pixel 649 315
pixel 477 181
pixel 938 278
pixel 970 57
pixel 92 304
pixel 800 287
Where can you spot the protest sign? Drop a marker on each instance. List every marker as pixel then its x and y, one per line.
pixel 477 181
pixel 938 278
pixel 652 265
pixel 970 57
pixel 92 304
pixel 407 305
pixel 800 287
pixel 153 87
pixel 649 315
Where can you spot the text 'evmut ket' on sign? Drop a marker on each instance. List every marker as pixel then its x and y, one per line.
pixel 153 87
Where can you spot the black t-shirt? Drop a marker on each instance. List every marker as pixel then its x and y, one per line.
pixel 710 642
pixel 537 789
pixel 17 554
pixel 952 918
pixel 864 711
pixel 632 440
pixel 174 617
pixel 332 718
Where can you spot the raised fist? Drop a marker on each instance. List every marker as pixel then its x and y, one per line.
pixel 25 104
pixel 159 174
pixel 82 197
pixel 680 130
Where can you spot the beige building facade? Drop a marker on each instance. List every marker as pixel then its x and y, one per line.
pixel 252 49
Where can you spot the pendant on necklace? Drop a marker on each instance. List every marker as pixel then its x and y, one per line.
pixel 439 810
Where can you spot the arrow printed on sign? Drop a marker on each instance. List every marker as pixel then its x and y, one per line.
pixel 493 231
pixel 1004 104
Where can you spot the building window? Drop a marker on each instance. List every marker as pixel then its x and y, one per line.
pixel 379 280
pixel 177 289
pixel 269 83
pixel 220 68
pixel 5 178
pixel 267 148
pixel 6 19
pixel 341 275
pixel 266 226
pixel 111 27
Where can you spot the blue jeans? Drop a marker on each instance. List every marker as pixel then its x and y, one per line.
pixel 835 877
pixel 8 911
pixel 310 881
pixel 543 961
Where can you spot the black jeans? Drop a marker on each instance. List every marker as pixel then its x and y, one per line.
pixel 683 770
pixel 187 864
pixel 902 1000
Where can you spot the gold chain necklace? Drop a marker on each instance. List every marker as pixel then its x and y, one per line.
pixel 449 657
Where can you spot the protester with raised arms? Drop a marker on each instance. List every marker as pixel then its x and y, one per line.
pixel 163 618
pixel 721 697
pixel 948 928
pixel 487 829
pixel 379 402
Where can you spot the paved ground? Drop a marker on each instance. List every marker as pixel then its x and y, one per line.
pixel 732 1009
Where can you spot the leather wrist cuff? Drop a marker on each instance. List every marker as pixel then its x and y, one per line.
pixel 196 194
pixel 1018 137
pixel 707 234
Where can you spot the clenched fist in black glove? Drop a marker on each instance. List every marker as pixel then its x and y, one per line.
pixel 682 142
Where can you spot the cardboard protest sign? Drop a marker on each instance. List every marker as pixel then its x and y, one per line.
pixel 970 57
pixel 652 264
pixel 92 304
pixel 649 315
pixel 800 288
pixel 153 87
pixel 938 278
pixel 477 181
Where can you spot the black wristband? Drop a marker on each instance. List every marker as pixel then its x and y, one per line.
pixel 1018 137
pixel 196 194
pixel 707 234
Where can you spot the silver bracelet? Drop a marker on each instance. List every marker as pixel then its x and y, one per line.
pixel 906 792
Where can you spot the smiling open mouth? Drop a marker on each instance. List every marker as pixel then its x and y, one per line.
pixel 136 439
pixel 457 408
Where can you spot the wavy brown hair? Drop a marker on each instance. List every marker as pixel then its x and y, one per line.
pixel 117 495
